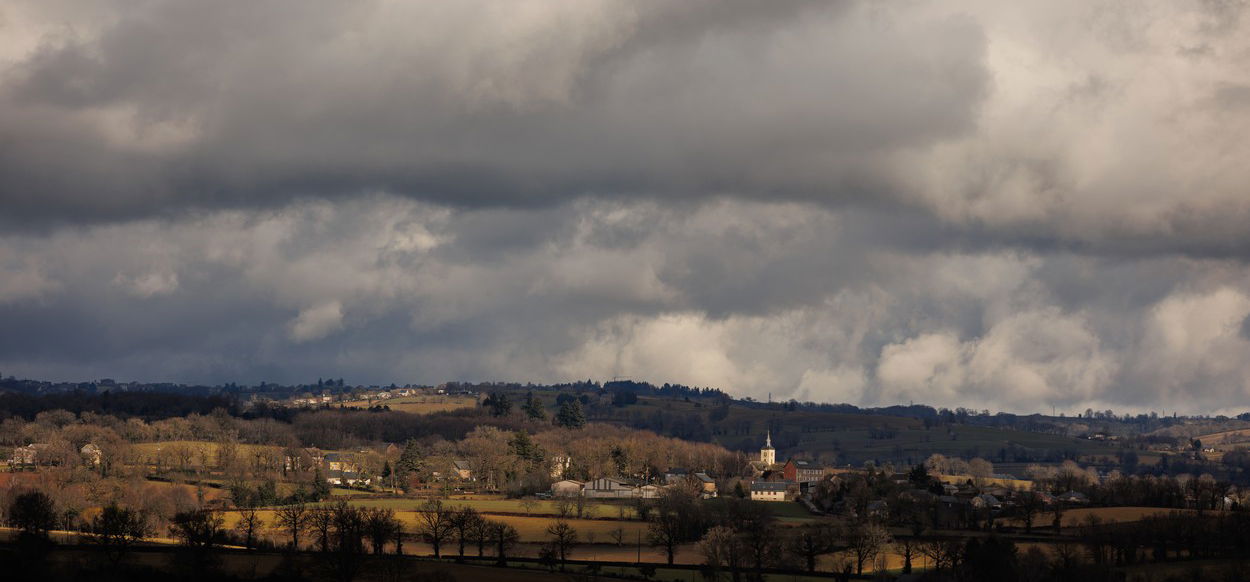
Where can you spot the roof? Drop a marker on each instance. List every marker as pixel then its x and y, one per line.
pixel 461 465
pixel 703 477
pixel 770 486
pixel 619 480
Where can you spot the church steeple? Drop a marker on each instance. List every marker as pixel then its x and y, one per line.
pixel 768 455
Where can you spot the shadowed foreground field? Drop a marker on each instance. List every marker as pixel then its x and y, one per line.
pixel 165 563
pixel 154 563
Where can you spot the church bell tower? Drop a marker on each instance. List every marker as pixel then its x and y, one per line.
pixel 768 455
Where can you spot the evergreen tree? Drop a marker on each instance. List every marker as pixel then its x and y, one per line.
pixel 534 407
pixel 321 487
pixel 410 460
pixel 571 415
pixel 498 403
pixel 524 448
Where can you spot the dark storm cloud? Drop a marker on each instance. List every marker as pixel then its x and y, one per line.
pixel 974 204
pixel 190 104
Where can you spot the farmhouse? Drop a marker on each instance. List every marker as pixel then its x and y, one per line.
pixel 347 478
pixel 567 488
pixel 706 484
pixel 802 471
pixel 340 462
pixel 612 488
pixel 771 491
pixel 30 455
pixel 91 454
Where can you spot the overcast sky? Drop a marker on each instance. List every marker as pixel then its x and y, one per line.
pixel 995 205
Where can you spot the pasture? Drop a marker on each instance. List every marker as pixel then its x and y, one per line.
pixel 202 454
pixel 418 404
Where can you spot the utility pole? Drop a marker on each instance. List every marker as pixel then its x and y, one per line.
pixel 639 547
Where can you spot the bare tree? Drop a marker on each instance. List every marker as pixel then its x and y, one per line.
pixel 563 539
pixel 810 542
pixel 249 524
pixel 504 537
pixel 348 552
pixel 198 531
pixel 908 548
pixel 479 532
pixel 1057 522
pixel 462 521
pixel 434 523
pixel 321 521
pixel 1029 505
pixel 722 548
pixel 116 530
pixel 564 506
pixel 198 528
pixel 380 527
pixel 866 540
pixel 943 553
pixel 294 520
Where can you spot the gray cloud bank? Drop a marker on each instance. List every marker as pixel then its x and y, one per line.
pixel 974 204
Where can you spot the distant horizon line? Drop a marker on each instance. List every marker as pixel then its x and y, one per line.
pixel 324 382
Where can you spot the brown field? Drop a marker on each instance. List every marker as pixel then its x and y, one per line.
pixel 1076 517
pixel 419 404
pixel 1018 484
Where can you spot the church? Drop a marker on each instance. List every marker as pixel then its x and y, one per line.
pixel 768 469
pixel 768 457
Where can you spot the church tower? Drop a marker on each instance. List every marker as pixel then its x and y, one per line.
pixel 768 455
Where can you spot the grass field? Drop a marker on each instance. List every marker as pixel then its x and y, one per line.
pixel 418 404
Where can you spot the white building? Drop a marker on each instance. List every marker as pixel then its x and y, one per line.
pixel 771 491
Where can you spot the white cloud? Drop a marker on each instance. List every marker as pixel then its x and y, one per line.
pixel 1194 350
pixel 1027 362
pixel 317 322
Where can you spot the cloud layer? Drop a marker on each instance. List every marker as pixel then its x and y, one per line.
pixel 964 204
